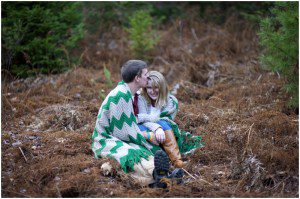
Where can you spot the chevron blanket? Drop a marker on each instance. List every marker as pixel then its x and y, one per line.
pixel 116 134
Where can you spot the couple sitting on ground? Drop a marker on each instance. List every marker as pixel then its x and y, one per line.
pixel 137 131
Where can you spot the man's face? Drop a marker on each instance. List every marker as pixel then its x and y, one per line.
pixel 143 78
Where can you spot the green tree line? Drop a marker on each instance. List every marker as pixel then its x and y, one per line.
pixel 38 37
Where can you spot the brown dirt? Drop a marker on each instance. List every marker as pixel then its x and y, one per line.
pixel 251 137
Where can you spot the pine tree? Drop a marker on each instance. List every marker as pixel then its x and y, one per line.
pixel 143 37
pixel 279 40
pixel 38 36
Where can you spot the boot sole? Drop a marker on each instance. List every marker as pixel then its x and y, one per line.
pixel 161 170
pixel 161 161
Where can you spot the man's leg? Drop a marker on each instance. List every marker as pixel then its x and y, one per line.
pixel 153 170
pixel 150 172
pixel 143 171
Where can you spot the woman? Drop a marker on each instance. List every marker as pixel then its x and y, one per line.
pixel 157 109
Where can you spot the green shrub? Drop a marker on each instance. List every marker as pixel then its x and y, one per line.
pixel 107 75
pixel 100 15
pixel 37 36
pixel 142 36
pixel 279 40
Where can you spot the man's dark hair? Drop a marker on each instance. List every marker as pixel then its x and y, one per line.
pixel 131 69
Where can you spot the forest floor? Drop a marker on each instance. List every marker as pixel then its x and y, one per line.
pixel 251 136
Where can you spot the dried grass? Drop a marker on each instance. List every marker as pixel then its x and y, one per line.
pixel 251 150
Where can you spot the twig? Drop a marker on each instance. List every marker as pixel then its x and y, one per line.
pixel 68 98
pixel 205 181
pixel 27 93
pixel 162 60
pixel 190 57
pixel 282 189
pixel 214 97
pixel 58 192
pixel 23 154
pixel 198 85
pixel 218 109
pixel 248 139
pixel 230 76
pixel 189 173
pixel 239 183
pixel 195 178
pixel 194 34
pixel 258 79
pixel 27 196
pixel 180 32
pixel 8 102
pixel 67 54
pixel 266 105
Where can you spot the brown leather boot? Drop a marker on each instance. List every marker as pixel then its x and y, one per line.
pixel 171 147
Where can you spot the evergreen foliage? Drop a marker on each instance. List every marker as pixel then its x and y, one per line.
pixel 102 15
pixel 143 37
pixel 37 36
pixel 107 75
pixel 279 39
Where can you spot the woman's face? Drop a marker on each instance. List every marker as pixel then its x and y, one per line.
pixel 152 91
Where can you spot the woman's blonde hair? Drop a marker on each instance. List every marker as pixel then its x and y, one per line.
pixel 158 81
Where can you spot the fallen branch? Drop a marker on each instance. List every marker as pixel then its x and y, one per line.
pixel 195 178
pixel 239 183
pixel 194 34
pixel 258 79
pixel 21 194
pixel 218 109
pixel 214 97
pixel 23 154
pixel 11 106
pixel 162 60
pixel 230 76
pixel 58 191
pixel 198 85
pixel 189 173
pixel 278 74
pixel 248 139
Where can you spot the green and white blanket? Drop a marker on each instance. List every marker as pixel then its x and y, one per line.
pixel 117 136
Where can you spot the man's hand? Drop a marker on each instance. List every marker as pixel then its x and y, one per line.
pixel 160 135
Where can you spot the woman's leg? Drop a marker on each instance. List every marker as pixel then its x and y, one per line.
pixel 164 124
pixel 142 127
pixel 170 145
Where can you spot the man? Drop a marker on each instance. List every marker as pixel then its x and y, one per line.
pixel 116 133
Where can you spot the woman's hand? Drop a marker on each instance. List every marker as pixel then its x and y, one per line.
pixel 160 135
